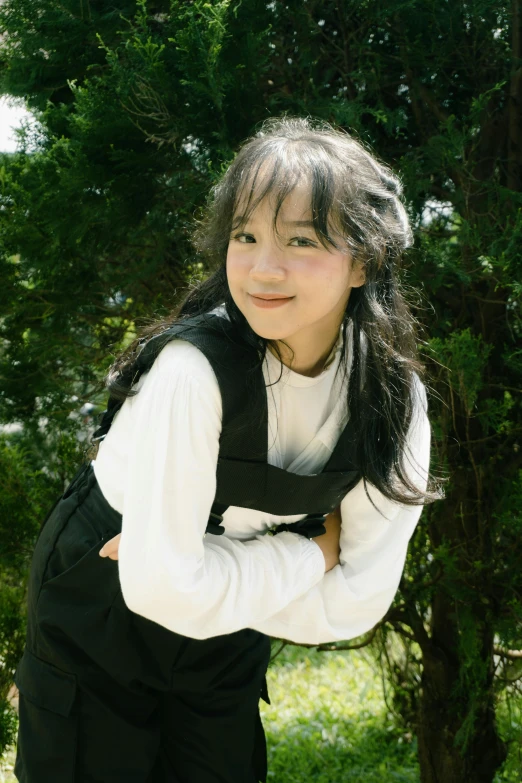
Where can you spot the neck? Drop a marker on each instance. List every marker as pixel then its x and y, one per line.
pixel 303 358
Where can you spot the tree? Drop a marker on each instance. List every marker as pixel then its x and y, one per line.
pixel 140 106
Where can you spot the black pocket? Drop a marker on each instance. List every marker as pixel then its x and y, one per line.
pixel 67 558
pixel 47 732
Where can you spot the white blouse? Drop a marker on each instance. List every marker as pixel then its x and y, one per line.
pixel 157 467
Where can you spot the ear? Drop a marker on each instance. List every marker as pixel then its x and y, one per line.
pixel 358 276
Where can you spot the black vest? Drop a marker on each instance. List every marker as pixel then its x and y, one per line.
pixel 244 477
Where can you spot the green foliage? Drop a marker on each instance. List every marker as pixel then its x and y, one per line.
pixel 206 24
pixel 22 502
pixel 465 357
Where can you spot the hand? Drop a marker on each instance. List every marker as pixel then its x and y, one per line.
pixel 110 549
pixel 329 542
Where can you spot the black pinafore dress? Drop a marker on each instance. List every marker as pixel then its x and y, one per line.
pixel 108 696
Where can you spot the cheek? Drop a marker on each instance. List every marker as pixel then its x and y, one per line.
pixel 238 265
pixel 329 272
pixel 234 270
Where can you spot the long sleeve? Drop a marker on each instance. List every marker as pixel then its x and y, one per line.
pixel 355 595
pixel 170 572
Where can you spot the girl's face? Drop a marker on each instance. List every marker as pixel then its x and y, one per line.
pixel 315 282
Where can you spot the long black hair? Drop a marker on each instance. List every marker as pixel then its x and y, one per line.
pixel 359 196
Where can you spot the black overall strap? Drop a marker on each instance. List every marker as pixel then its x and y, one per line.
pixel 219 342
pixel 241 392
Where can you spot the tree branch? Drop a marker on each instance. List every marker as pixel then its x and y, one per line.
pixel 511 654
pixel 514 164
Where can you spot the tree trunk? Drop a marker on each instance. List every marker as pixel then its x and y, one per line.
pixel 441 756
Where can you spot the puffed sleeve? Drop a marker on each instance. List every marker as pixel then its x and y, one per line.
pixel 170 572
pixel 354 595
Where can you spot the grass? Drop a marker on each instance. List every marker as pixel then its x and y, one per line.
pixel 328 723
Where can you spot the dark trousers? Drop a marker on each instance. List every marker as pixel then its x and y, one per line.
pixel 107 696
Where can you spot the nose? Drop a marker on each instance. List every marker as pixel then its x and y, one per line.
pixel 267 264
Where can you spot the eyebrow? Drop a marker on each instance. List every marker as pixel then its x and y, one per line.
pixel 295 223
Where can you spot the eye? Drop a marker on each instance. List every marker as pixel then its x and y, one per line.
pixel 308 242
pixel 248 237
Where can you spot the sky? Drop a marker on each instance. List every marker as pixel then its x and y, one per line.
pixel 10 115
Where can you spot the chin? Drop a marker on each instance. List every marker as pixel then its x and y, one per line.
pixel 267 331
pixel 269 334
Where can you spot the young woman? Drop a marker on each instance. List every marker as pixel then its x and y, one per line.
pixel 284 398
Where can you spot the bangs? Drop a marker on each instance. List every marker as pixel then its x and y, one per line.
pixel 274 171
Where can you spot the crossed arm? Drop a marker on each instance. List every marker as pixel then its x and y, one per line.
pixel 284 585
pixel 329 543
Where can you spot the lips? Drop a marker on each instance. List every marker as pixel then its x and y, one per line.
pixel 271 296
pixel 269 301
